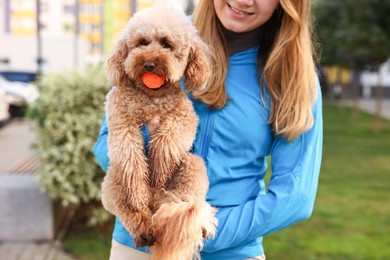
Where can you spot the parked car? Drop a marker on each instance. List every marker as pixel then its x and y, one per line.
pixel 20 76
pixel 4 107
pixel 19 93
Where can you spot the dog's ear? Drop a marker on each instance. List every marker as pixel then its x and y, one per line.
pixel 198 68
pixel 115 70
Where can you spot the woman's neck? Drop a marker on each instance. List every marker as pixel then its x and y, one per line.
pixel 238 42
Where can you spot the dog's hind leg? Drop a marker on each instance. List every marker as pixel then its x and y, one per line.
pixel 183 218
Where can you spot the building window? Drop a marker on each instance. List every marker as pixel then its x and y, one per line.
pixel 68 8
pixel 68 27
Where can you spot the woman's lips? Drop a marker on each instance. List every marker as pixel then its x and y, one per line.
pixel 239 12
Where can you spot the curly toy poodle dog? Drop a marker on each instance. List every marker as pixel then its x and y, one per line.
pixel 159 197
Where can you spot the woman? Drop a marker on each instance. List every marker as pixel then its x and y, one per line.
pixel 263 99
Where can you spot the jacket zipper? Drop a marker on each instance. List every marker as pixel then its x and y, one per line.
pixel 207 135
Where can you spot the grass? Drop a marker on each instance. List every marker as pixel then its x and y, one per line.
pixel 88 245
pixel 351 219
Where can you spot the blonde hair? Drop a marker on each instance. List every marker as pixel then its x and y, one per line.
pixel 287 58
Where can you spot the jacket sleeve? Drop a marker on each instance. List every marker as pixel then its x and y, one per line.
pixel 101 149
pixel 291 191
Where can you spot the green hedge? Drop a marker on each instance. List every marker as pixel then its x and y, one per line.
pixel 68 116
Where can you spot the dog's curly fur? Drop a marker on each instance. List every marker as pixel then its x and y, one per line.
pixel 160 198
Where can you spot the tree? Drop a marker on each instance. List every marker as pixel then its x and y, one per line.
pixel 353 34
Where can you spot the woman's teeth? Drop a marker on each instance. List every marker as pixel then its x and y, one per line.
pixel 238 11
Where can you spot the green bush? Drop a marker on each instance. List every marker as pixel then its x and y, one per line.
pixel 68 116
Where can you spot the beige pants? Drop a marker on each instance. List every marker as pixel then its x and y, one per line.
pixel 122 252
pixel 260 257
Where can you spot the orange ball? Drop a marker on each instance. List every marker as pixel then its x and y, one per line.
pixel 152 80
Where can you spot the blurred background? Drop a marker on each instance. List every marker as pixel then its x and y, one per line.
pixel 52 90
pixel 63 34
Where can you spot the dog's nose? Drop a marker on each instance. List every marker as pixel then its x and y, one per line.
pixel 149 66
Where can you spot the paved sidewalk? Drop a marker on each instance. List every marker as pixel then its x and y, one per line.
pixel 32 251
pixel 16 138
pixel 369 105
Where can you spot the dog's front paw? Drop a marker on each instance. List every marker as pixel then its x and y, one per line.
pixel 145 240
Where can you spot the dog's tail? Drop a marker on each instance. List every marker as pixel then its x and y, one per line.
pixel 181 228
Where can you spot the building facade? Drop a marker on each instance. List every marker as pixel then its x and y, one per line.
pixel 83 29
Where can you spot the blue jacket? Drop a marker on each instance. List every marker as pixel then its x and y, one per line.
pixel 234 142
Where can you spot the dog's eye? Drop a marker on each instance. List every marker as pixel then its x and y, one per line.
pixel 165 44
pixel 143 42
